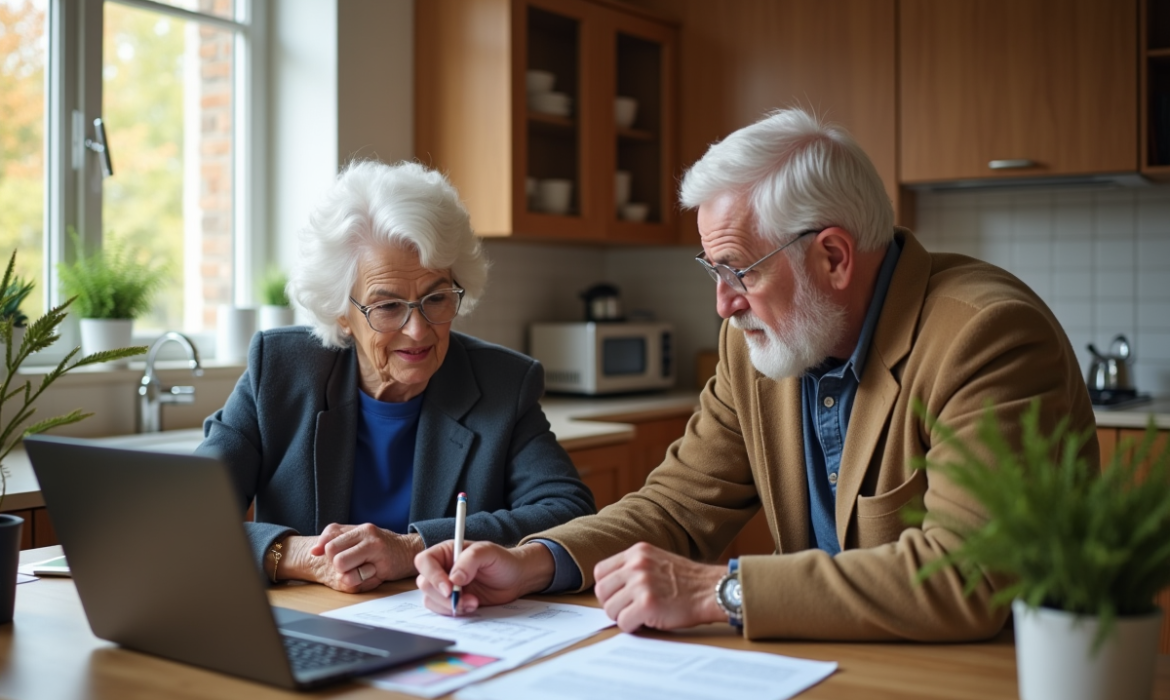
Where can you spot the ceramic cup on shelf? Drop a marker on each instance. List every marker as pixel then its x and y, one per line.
pixel 555 195
pixel 557 103
pixel 234 329
pixel 539 81
pixel 634 211
pixel 625 111
pixel 621 187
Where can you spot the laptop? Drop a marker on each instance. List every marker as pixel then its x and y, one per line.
pixel 158 552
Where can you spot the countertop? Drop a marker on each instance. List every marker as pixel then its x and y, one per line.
pixel 1135 415
pixel 578 423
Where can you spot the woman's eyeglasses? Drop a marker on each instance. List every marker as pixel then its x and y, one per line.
pixel 437 308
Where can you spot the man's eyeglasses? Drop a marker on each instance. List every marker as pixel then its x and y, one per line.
pixel 437 308
pixel 733 277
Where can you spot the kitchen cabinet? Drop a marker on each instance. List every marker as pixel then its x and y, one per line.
pixel 1015 88
pixel 511 161
pixel 1155 88
pixel 605 470
pixel 745 58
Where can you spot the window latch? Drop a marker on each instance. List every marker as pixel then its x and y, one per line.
pixel 101 147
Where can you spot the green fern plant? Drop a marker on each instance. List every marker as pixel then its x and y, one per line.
pixel 272 288
pixel 111 283
pixel 1089 541
pixel 17 396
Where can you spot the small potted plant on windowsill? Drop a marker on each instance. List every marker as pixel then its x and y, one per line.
pixel 1086 550
pixel 275 311
pixel 21 396
pixel 111 288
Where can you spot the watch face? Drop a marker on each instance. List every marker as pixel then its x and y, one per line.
pixel 732 594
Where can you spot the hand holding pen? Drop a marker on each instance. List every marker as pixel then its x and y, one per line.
pixel 460 524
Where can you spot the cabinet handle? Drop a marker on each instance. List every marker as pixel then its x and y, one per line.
pixel 582 473
pixel 1011 163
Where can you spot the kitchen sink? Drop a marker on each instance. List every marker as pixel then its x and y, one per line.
pixel 170 441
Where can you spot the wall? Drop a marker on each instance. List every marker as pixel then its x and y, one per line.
pixel 530 283
pixel 1099 257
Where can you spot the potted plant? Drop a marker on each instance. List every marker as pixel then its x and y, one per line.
pixel 274 310
pixel 1086 549
pixel 39 335
pixel 111 288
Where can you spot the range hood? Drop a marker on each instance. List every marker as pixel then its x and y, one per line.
pixel 1129 179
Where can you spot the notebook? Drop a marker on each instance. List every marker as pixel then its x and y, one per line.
pixel 158 553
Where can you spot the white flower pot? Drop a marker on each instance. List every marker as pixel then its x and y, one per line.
pixel 1054 656
pixel 234 330
pixel 17 338
pixel 275 317
pixel 99 334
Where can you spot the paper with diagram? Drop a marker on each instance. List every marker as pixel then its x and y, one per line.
pixel 487 642
pixel 626 667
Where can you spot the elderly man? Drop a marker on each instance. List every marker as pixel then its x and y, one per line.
pixel 836 323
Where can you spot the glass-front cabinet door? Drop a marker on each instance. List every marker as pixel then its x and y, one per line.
pixel 640 131
pixel 553 195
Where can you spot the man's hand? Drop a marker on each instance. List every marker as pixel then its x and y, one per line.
pixel 645 585
pixel 489 574
pixel 353 558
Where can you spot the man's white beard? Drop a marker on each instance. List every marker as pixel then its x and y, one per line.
pixel 809 334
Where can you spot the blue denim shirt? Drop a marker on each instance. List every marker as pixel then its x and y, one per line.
pixel 827 393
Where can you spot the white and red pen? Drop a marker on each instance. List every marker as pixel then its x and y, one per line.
pixel 460 524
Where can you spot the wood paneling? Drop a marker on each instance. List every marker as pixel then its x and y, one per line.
pixel 1052 81
pixel 43 533
pixel 742 59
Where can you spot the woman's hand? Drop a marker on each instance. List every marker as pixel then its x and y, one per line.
pixel 353 558
pixel 489 574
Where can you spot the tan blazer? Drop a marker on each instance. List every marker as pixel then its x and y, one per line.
pixel 954 332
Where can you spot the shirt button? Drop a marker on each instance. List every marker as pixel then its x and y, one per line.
pixel 829 402
pixel 833 478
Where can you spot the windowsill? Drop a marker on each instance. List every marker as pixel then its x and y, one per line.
pixel 171 370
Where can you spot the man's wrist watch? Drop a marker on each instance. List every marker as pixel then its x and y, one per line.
pixel 729 594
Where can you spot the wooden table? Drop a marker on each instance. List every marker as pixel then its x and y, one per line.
pixel 49 652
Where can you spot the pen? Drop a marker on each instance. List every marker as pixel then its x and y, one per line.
pixel 460 523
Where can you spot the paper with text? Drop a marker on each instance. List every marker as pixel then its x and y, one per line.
pixel 632 668
pixel 487 642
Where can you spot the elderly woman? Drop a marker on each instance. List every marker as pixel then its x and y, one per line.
pixel 356 435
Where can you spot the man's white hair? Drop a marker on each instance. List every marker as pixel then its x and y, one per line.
pixel 373 204
pixel 799 174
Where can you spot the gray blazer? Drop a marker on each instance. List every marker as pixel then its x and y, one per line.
pixel 288 434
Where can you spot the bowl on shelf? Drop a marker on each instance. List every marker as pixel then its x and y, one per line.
pixel 634 211
pixel 554 195
pixel 621 187
pixel 625 111
pixel 557 103
pixel 539 80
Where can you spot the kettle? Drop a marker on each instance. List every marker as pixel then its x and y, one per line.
pixel 602 303
pixel 1111 372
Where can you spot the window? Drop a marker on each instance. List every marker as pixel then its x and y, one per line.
pixel 171 82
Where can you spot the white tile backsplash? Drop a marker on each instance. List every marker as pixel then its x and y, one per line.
pixel 1099 257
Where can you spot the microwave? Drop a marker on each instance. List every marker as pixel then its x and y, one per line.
pixel 604 358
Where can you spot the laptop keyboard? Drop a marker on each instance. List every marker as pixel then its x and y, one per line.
pixel 307 655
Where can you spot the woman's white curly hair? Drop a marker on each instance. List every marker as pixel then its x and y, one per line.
pixel 373 204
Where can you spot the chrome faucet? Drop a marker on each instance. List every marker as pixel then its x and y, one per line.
pixel 152 394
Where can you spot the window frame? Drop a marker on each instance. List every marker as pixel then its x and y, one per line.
pixel 73 182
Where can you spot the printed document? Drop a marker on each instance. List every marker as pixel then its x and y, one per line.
pixel 487 642
pixel 632 668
